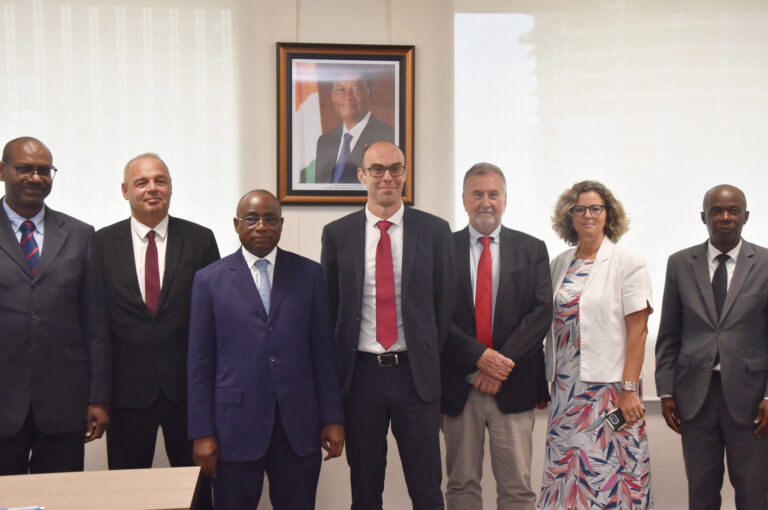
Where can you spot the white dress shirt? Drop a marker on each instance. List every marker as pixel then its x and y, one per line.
pixel 16 220
pixel 368 342
pixel 250 261
pixel 475 251
pixel 140 240
pixel 355 131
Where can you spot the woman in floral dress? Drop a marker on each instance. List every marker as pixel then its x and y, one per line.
pixel 594 357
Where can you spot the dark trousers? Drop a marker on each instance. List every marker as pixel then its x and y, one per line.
pixel 132 434
pixel 380 396
pixel 31 451
pixel 705 437
pixel 292 478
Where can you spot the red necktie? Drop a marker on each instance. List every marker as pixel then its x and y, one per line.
pixel 151 274
pixel 386 313
pixel 484 295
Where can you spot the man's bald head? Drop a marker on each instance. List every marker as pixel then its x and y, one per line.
pixel 22 141
pixel 723 188
pixel 263 195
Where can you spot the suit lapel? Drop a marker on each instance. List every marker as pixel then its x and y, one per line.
pixel 173 249
pixel 243 281
pixel 741 272
pixel 10 245
pixel 462 262
pixel 410 240
pixel 356 243
pixel 509 261
pixel 123 252
pixel 53 239
pixel 700 268
pixel 282 281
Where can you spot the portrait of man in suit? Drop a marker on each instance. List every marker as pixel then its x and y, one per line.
pixel 339 151
pixel 149 262
pixel 390 272
pixel 263 385
pixel 712 356
pixel 55 355
pixel 493 362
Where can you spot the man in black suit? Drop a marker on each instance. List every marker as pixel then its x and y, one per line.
pixel 493 362
pixel 340 151
pixel 390 272
pixel 149 263
pixel 54 345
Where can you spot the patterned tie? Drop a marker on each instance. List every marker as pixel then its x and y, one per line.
pixel 484 295
pixel 151 274
pixel 386 312
pixel 264 288
pixel 720 289
pixel 343 157
pixel 29 245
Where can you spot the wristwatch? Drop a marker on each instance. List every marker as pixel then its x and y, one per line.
pixel 628 386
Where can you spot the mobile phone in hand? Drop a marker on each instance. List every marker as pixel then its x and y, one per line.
pixel 615 419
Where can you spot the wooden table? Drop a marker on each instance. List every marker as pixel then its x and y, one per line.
pixel 129 489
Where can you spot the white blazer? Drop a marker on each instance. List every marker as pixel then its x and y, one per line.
pixel 617 285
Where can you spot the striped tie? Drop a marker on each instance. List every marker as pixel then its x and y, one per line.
pixel 29 245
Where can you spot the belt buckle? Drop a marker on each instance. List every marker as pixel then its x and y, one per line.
pixel 383 360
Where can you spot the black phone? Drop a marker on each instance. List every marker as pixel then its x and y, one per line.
pixel 615 419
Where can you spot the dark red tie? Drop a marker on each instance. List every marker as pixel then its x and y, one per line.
pixel 484 295
pixel 151 274
pixel 386 313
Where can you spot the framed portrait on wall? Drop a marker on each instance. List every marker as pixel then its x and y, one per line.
pixel 333 100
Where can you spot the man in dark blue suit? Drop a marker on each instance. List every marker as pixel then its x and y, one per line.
pixel 263 388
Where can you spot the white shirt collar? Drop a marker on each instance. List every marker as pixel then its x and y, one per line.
pixel 141 230
pixel 251 259
pixel 357 128
pixel 713 252
pixel 474 235
pixel 395 219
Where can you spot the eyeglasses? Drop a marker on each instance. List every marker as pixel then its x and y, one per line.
pixel 581 210
pixel 395 170
pixel 252 221
pixel 26 171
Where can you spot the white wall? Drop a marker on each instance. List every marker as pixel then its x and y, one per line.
pixel 225 166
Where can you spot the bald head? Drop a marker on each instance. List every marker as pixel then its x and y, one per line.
pixel 24 142
pixel 381 145
pixel 262 195
pixel 727 188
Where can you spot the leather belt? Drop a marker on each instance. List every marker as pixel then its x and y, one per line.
pixel 387 359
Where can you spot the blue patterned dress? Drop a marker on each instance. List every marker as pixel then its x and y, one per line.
pixel 587 464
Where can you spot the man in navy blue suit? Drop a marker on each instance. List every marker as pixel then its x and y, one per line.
pixel 263 388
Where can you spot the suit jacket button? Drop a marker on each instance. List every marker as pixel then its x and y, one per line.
pixel 272 359
pixel 35 316
pixel 269 329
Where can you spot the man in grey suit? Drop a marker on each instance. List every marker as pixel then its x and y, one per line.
pixel 391 274
pixel 54 346
pixel 712 356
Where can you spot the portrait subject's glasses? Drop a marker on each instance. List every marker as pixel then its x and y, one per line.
pixel 395 170
pixel 26 171
pixel 581 210
pixel 252 221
